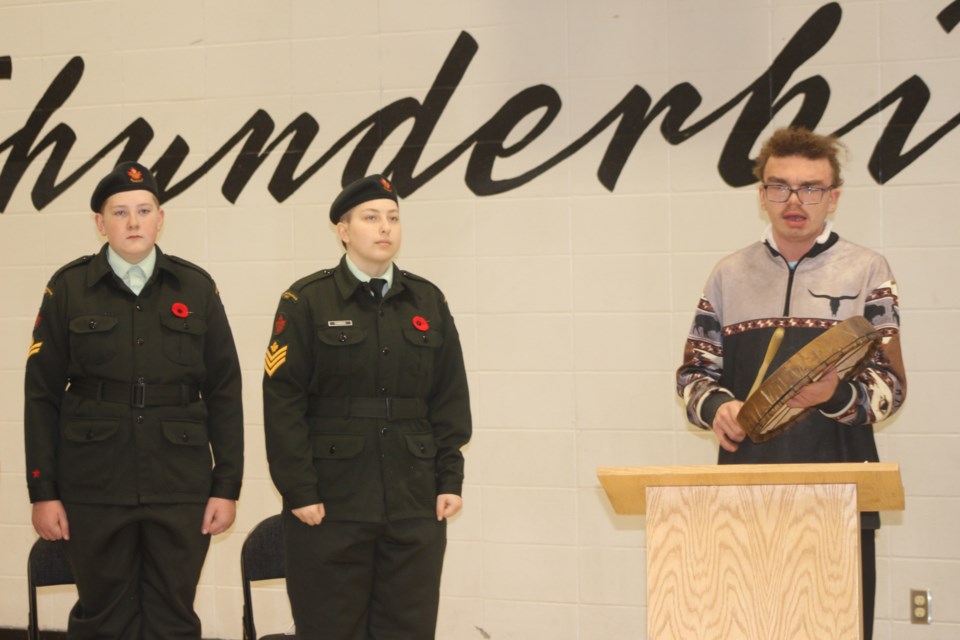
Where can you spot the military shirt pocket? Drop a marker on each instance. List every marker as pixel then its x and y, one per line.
pixel 185 432
pixel 426 344
pixel 422 445
pixel 183 339
pixel 339 349
pixel 337 447
pixel 93 339
pixel 340 470
pixel 186 460
pixel 89 450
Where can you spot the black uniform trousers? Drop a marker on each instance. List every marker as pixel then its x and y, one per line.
pixel 360 581
pixel 136 569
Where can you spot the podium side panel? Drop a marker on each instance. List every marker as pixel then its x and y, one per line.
pixel 753 562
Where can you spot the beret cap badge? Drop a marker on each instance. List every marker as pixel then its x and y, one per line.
pixel 126 176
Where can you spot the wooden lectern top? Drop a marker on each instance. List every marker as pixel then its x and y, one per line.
pixel 878 483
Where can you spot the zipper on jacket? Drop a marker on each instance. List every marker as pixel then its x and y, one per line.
pixel 792 270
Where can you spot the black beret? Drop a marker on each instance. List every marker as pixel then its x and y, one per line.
pixel 372 187
pixel 126 176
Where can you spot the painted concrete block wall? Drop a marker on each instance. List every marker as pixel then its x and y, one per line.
pixel 572 290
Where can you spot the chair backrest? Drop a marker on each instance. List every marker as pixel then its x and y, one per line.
pixel 46 566
pixel 261 558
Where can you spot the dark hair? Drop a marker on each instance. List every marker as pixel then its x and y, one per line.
pixel 801 142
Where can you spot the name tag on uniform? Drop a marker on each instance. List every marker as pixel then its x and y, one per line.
pixel 340 323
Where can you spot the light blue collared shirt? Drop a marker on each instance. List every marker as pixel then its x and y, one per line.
pixel 363 277
pixel 135 276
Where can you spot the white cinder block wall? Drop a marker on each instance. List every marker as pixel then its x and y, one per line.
pixel 572 300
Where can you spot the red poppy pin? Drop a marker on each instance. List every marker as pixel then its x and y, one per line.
pixel 135 175
pixel 180 310
pixel 279 324
pixel 386 185
pixel 420 323
pixel 35 473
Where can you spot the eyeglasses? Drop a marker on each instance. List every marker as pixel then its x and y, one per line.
pixel 779 193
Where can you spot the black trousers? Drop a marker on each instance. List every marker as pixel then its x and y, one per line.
pixel 360 581
pixel 868 560
pixel 136 570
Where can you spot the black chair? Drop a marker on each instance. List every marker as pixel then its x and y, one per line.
pixel 261 558
pixel 47 566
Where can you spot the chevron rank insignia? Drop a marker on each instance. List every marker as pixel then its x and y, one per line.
pixel 34 348
pixel 276 356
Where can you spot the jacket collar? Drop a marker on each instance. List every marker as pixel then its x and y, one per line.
pixel 826 240
pixel 347 283
pixel 100 268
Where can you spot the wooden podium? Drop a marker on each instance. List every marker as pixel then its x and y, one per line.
pixel 754 551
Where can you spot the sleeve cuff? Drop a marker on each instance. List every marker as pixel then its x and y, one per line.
pixel 711 404
pixel 837 405
pixel 43 491
pixel 225 489
pixel 301 497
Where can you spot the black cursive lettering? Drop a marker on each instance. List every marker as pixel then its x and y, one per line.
pixel 540 104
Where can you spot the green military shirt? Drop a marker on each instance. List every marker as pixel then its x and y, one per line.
pixel 365 402
pixel 100 450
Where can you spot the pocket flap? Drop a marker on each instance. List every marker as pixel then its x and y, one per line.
pixel 340 336
pixel 193 326
pixel 185 432
pixel 335 446
pixel 92 324
pixel 432 339
pixel 422 445
pixel 89 429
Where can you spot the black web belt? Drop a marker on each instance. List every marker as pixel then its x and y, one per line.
pixel 139 394
pixel 382 408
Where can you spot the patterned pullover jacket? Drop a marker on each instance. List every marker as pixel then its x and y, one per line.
pixel 752 292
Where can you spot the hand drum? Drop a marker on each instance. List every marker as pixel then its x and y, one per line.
pixel 847 347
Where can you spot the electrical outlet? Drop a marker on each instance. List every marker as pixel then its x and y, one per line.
pixel 920 606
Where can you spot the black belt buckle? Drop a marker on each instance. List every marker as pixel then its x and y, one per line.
pixel 138 396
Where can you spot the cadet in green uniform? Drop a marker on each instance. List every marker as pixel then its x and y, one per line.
pixel 132 378
pixel 365 408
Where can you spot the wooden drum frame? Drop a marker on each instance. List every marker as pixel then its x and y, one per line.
pixel 847 347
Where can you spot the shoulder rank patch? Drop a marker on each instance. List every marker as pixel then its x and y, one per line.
pixel 291 296
pixel 34 348
pixel 47 291
pixel 276 356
